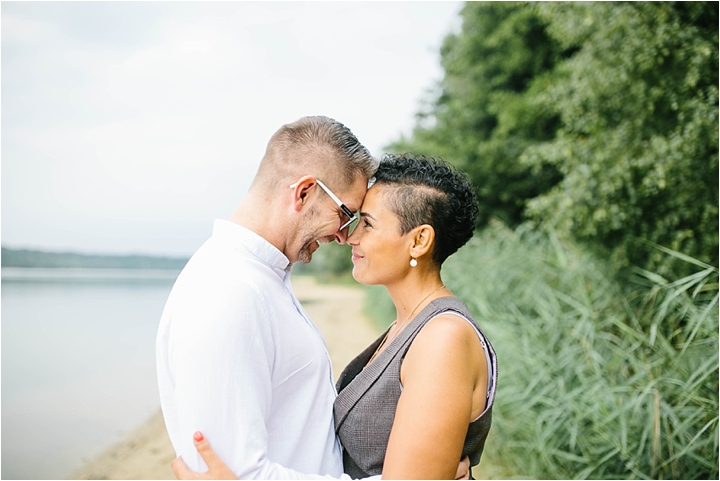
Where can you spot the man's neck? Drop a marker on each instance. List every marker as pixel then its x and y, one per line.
pixel 262 217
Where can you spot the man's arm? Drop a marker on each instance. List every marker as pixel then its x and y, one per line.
pixel 222 355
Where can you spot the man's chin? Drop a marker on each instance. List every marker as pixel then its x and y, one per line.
pixel 304 258
pixel 305 255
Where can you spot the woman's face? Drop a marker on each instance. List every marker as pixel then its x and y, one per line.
pixel 380 254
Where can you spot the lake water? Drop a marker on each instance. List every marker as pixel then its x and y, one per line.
pixel 78 363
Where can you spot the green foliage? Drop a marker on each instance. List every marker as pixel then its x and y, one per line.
pixel 379 307
pixel 596 381
pixel 480 120
pixel 638 143
pixel 597 120
pixel 332 262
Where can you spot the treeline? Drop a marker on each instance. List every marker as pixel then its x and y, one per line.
pixel 597 121
pixel 37 258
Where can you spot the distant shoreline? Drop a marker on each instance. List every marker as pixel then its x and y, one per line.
pixel 86 274
pixel 70 260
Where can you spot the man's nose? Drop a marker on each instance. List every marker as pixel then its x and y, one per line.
pixel 341 236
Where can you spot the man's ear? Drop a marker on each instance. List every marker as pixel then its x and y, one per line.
pixel 423 240
pixel 300 191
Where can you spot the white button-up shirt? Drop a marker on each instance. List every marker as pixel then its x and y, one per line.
pixel 239 359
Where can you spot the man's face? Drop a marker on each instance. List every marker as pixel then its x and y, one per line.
pixel 322 222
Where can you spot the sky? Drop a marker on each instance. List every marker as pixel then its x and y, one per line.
pixel 128 127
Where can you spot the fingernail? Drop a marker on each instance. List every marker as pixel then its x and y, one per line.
pixel 198 436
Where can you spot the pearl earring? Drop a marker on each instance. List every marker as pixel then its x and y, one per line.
pixel 413 262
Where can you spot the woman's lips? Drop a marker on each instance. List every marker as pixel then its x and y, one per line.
pixel 356 256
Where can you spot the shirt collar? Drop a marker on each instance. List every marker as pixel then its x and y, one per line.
pixel 243 238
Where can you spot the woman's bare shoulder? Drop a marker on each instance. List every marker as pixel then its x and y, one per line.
pixel 447 328
pixel 446 339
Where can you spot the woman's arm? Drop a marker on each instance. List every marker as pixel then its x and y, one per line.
pixel 444 378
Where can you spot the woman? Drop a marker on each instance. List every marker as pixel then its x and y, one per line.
pixel 420 397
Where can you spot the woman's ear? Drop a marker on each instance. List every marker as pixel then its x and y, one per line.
pixel 301 190
pixel 423 240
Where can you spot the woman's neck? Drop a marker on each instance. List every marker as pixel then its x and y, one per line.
pixel 414 292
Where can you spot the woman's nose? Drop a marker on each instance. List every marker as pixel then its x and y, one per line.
pixel 352 239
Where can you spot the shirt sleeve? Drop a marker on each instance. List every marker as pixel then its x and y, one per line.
pixel 223 358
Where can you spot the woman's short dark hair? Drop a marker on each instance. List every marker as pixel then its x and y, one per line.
pixel 426 190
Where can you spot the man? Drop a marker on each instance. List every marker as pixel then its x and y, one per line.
pixel 237 356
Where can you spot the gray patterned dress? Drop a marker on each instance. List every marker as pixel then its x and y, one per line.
pixel 367 398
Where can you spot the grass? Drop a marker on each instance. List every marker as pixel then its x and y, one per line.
pixel 598 379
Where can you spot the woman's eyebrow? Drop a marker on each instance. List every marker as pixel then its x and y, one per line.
pixel 365 214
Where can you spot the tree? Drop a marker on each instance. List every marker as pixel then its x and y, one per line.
pixel 479 120
pixel 638 142
pixel 598 120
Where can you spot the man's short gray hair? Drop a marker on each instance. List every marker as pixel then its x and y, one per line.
pixel 337 154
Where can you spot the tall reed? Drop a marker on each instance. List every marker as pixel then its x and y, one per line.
pixel 596 380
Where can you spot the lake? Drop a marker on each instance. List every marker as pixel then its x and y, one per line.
pixel 78 363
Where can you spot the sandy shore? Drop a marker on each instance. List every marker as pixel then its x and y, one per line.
pixel 146 453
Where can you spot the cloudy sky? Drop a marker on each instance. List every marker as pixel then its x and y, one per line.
pixel 127 127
